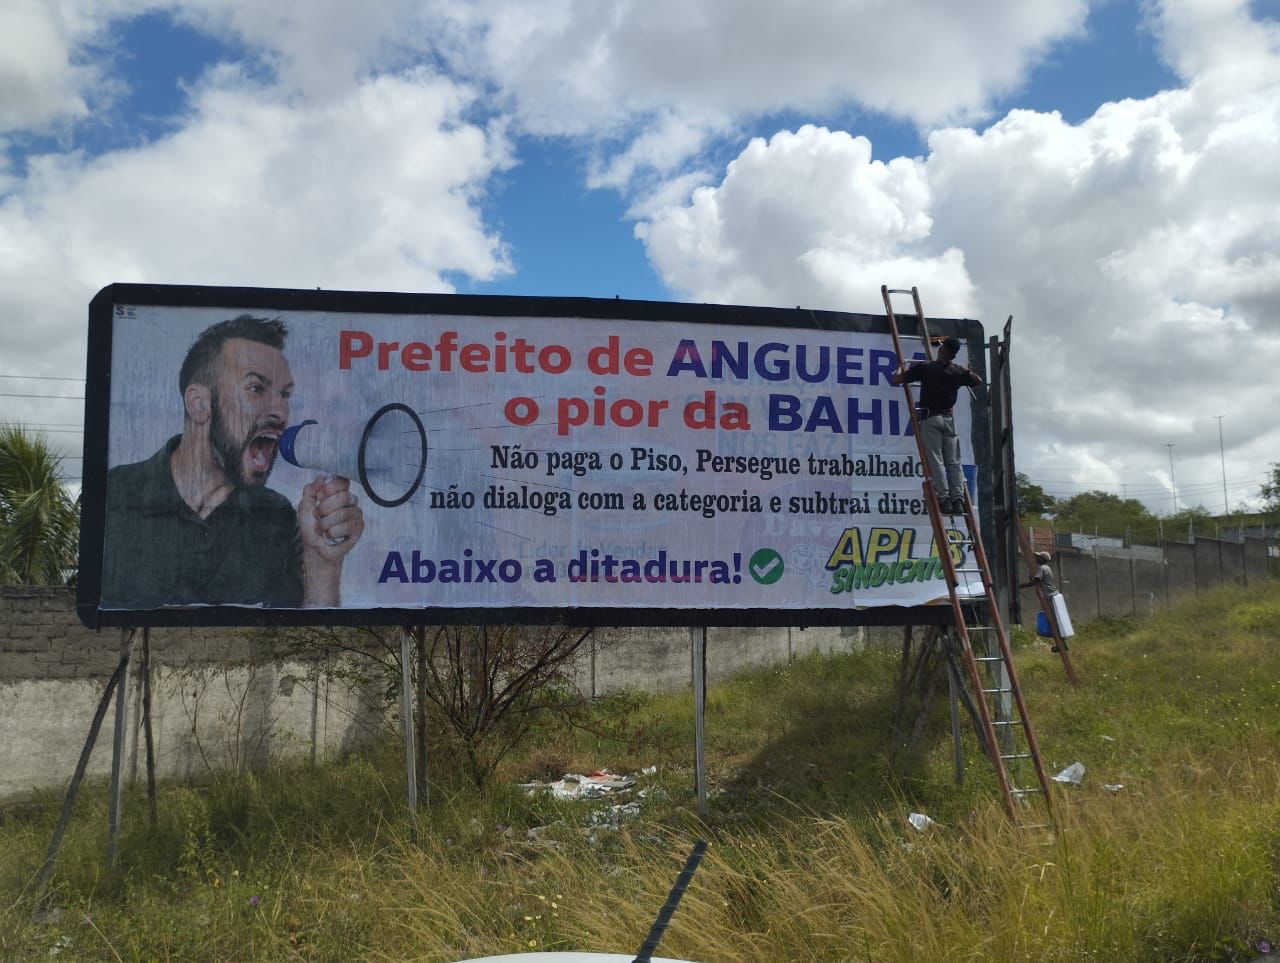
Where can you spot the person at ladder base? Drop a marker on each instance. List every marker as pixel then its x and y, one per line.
pixel 940 382
pixel 1044 576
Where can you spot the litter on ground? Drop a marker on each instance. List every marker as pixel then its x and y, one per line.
pixel 574 785
pixel 1072 775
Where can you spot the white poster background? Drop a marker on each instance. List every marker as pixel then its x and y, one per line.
pixel 591 512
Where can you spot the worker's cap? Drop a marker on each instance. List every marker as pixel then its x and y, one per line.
pixel 952 345
pixel 1042 556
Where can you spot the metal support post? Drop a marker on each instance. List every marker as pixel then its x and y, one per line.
pixel 116 800
pixel 406 725
pixel 699 639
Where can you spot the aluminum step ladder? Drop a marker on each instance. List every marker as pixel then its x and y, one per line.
pixel 1004 727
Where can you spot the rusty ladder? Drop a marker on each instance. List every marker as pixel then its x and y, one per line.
pixel 1005 728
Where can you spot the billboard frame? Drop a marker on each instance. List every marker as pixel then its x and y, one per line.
pixel 97 425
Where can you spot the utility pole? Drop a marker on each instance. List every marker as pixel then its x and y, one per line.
pixel 1172 484
pixel 1222 454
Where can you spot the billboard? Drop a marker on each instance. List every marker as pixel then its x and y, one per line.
pixel 261 456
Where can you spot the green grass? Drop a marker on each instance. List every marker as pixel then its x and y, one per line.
pixel 810 859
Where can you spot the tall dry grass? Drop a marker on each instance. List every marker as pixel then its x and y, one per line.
pixel 810 858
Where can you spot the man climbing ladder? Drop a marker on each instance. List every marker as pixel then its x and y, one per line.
pixel 940 382
pixel 1003 725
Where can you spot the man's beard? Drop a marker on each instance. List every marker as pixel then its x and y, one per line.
pixel 229 453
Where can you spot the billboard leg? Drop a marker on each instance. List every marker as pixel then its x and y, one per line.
pixel 147 728
pixel 73 788
pixel 699 639
pixel 315 712
pixel 117 751
pixel 406 725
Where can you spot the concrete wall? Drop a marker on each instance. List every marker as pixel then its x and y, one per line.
pixel 1078 581
pixel 1180 558
pixel 661 659
pixel 1115 585
pixel 1231 559
pixel 1208 556
pixel 221 699
pixel 1150 586
pixel 1130 583
pixel 236 698
pixel 1256 563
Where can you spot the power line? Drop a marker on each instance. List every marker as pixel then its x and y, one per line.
pixel 40 378
pixel 8 394
pixel 1135 489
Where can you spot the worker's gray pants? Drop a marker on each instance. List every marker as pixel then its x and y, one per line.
pixel 942 446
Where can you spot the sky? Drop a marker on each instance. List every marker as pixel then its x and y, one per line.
pixel 1104 172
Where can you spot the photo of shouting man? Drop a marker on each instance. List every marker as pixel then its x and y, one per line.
pixel 196 524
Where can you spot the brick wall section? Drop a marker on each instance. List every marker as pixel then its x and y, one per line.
pixel 41 637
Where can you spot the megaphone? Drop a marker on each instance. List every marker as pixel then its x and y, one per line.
pixel 388 459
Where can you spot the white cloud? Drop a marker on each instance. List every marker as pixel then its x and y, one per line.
pixel 39 85
pixel 57 56
pixel 647 82
pixel 377 190
pixel 1136 251
pixel 806 218
pixel 318 47
pixel 1207 39
pixel 684 70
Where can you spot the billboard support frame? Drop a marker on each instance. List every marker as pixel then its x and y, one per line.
pixel 115 801
pixel 698 620
pixel 82 764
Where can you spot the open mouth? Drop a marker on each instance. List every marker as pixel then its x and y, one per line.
pixel 262 451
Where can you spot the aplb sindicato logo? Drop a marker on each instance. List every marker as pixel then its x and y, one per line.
pixel 889 556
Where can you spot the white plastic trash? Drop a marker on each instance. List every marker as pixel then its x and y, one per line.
pixel 1061 617
pixel 1072 775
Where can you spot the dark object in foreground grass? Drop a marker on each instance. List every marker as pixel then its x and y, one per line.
pixel 645 954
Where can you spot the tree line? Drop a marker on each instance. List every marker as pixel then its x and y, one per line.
pixel 1103 513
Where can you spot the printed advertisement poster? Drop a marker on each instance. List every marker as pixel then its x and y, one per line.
pixel 293 459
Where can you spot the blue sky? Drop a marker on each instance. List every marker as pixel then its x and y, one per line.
pixel 1098 170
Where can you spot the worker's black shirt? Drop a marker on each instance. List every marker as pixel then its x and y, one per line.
pixel 940 383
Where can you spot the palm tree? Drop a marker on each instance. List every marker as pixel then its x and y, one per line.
pixel 39 520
